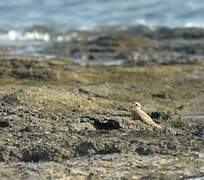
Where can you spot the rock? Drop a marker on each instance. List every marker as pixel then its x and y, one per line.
pixel 162 95
pixel 38 153
pixel 199 132
pixel 84 148
pixel 144 151
pixel 4 124
pixel 170 131
pixel 101 122
pixel 159 115
pixel 13 98
pixel 107 125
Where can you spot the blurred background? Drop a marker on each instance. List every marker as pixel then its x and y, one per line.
pixel 34 27
pixel 87 14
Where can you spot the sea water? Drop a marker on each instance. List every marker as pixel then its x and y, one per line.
pixel 29 24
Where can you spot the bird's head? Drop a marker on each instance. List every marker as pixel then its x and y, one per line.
pixel 134 106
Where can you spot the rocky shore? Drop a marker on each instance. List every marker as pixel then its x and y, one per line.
pixel 69 118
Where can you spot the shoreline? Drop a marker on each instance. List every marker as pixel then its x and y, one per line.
pixel 138 46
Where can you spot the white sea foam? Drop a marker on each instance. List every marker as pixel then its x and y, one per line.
pixel 14 35
pixel 194 24
pixel 29 36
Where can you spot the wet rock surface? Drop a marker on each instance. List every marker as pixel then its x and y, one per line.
pixel 62 120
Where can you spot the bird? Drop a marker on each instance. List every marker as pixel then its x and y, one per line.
pixel 139 114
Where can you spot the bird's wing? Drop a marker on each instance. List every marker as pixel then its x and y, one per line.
pixel 135 115
pixel 147 119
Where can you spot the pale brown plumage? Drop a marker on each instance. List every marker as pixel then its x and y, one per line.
pixel 138 113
